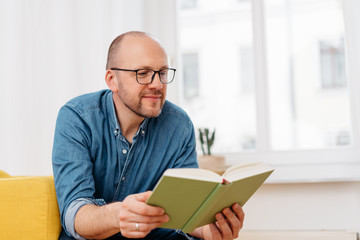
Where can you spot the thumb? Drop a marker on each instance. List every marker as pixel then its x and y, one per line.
pixel 143 197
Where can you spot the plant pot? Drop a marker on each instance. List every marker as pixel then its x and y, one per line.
pixel 212 162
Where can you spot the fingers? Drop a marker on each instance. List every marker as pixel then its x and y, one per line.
pixel 234 220
pixel 224 227
pixel 129 229
pixel 143 196
pixel 134 218
pixel 215 232
pixel 229 222
pixel 136 203
pixel 137 219
pixel 239 213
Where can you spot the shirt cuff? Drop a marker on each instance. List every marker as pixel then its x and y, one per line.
pixel 189 237
pixel 71 213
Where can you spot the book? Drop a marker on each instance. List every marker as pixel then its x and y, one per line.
pixel 191 196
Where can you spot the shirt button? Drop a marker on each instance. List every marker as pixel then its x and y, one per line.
pixel 143 132
pixel 124 151
pixel 123 179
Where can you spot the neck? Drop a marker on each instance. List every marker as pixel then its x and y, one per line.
pixel 129 121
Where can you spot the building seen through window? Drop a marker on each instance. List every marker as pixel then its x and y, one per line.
pixel 220 95
pixel 304 59
pixel 188 4
pixel 332 64
pixel 191 75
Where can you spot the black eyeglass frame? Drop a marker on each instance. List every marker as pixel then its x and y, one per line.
pixel 152 77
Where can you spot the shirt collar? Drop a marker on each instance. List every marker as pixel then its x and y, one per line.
pixel 114 121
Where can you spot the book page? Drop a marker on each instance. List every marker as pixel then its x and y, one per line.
pixel 193 173
pixel 245 170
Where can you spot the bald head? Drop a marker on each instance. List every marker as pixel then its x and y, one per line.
pixel 130 53
pixel 117 43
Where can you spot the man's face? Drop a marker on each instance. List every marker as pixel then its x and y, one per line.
pixel 141 53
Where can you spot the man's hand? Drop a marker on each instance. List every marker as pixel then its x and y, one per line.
pixel 137 219
pixel 229 222
pixel 132 217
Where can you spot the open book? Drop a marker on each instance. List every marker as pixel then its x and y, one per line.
pixel 191 196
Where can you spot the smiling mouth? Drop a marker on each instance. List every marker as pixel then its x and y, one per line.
pixel 152 97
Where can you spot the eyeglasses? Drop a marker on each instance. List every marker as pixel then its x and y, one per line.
pixel 146 76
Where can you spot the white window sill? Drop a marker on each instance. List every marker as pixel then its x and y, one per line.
pixel 335 165
pixel 311 173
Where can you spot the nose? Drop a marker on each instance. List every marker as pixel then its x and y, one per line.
pixel 156 83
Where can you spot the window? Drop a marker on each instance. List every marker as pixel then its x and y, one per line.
pixel 191 75
pixel 302 116
pixel 220 95
pixel 247 70
pixel 332 64
pixel 273 81
pixel 188 4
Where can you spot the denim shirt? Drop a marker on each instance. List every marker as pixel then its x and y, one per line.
pixel 93 163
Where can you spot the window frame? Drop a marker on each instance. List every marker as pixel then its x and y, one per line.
pixel 301 165
pixel 315 165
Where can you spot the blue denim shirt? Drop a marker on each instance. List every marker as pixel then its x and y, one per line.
pixel 93 163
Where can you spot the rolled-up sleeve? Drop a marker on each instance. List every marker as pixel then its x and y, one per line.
pixel 71 213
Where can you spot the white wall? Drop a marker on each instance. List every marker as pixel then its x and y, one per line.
pixel 51 51
pixel 305 206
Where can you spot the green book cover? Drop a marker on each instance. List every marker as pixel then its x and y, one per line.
pixel 192 197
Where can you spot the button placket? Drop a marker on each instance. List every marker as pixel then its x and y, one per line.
pixel 123 148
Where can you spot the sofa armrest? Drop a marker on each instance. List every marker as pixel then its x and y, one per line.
pixel 4 174
pixel 28 208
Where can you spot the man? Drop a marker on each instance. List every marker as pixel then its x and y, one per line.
pixel 111 147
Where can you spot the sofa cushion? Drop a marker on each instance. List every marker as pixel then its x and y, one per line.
pixel 28 208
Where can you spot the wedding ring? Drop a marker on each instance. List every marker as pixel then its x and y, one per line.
pixel 137 226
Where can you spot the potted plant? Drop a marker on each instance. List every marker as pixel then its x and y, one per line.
pixel 208 160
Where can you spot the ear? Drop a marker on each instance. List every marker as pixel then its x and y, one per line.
pixel 111 81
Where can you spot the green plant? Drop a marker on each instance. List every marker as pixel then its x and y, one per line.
pixel 206 141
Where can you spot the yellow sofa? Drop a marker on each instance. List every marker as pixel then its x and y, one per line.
pixel 28 208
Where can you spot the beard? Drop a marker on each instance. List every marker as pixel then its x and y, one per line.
pixel 149 110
